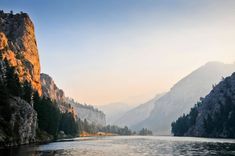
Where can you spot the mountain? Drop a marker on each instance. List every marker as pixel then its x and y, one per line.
pixel 213 116
pixel 114 111
pixel 88 112
pixel 19 47
pixel 80 111
pixel 50 90
pixel 19 63
pixel 183 95
pixel 133 117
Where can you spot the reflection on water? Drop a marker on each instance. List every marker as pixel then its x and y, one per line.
pixel 128 146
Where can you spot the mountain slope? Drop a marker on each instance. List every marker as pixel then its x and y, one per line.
pixel 114 111
pixel 137 114
pixel 50 90
pixel 88 112
pixel 214 116
pixel 184 95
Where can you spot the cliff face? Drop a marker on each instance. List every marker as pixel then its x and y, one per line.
pixel 18 46
pixel 50 89
pixel 214 116
pixel 91 114
pixel 21 128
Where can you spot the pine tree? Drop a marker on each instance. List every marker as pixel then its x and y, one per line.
pixel 12 80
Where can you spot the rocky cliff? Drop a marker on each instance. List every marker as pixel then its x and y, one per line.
pixel 88 112
pixel 50 90
pixel 213 116
pixel 18 52
pixel 18 46
pixel 22 125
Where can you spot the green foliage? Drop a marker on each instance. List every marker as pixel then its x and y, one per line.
pixel 12 81
pixel 48 115
pixel 183 123
pixel 51 120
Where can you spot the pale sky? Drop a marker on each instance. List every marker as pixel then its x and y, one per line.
pixel 108 51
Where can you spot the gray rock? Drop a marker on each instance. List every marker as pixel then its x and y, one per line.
pixel 22 124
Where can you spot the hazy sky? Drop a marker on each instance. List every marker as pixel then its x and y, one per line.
pixel 127 50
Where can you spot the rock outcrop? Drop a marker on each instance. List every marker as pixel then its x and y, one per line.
pixel 50 89
pixel 21 128
pixel 18 46
pixel 88 112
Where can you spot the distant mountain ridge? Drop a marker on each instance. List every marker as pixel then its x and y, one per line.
pixel 114 111
pixel 183 95
pixel 137 114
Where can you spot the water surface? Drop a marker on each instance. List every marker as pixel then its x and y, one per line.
pixel 128 146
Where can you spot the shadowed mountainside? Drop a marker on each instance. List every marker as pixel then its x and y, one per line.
pixel 183 95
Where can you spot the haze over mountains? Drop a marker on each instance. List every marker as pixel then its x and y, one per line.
pixel 114 111
pixel 137 114
pixel 182 96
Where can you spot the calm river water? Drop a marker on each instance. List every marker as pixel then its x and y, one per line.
pixel 128 146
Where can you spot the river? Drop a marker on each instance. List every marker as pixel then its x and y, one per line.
pixel 128 146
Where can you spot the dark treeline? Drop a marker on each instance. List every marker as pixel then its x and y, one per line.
pixel 183 123
pixel 84 126
pixel 51 119
pixel 145 131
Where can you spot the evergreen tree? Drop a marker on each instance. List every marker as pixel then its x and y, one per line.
pixel 48 115
pixel 68 124
pixel 12 80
